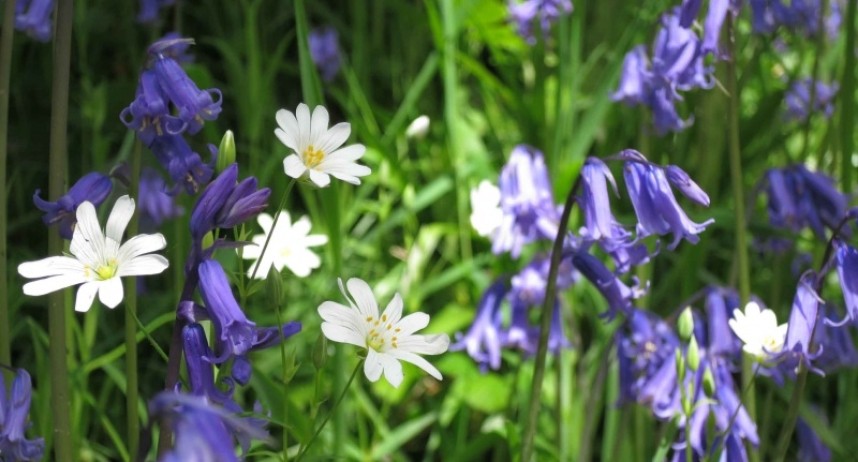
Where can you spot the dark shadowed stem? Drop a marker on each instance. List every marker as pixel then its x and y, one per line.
pixel 545 325
pixel 131 391
pixel 814 75
pixel 60 396
pixel 273 225
pixel 5 75
pixel 331 412
pixel 739 205
pixel 847 100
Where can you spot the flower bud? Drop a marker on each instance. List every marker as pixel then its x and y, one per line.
pixel 226 151
pixel 693 355
pixel 274 287
pixel 680 365
pixel 685 324
pixel 418 128
pixel 708 382
pixel 320 353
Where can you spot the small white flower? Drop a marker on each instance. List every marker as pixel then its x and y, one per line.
pixel 98 260
pixel 418 128
pixel 486 214
pixel 289 246
pixel 758 330
pixel 388 338
pixel 317 148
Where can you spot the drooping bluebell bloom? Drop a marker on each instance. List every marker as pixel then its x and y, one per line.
pixel 185 166
pixel 527 202
pixel 837 350
pixel 594 200
pixel 523 15
pixel 720 303
pixel 34 18
pixel 149 9
pixel 654 203
pixel 635 78
pixel 801 16
pixel 14 413
pixel 263 337
pixel 801 345
pixel 93 187
pixel 194 106
pixel 810 446
pixel 225 204
pixel 325 51
pixel 798 197
pixel 482 342
pixel 155 203
pixel 625 251
pixel 798 99
pixel 199 360
pixel 618 295
pixel 681 181
pixel 235 333
pixel 846 258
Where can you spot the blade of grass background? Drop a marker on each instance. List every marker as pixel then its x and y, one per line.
pixel 57 309
pixel 847 96
pixel 6 40
pixel 131 392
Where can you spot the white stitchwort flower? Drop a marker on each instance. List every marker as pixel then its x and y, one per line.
pixel 289 246
pixel 97 260
pixel 418 128
pixel 486 214
pixel 758 330
pixel 388 338
pixel 316 148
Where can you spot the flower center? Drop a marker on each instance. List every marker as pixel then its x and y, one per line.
pixel 105 272
pixel 772 344
pixel 313 156
pixel 382 335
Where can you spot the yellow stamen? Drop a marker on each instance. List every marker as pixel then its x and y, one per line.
pixel 312 156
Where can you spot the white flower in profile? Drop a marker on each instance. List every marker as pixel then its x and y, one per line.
pixel 316 148
pixel 97 260
pixel 388 338
pixel 486 213
pixel 758 330
pixel 289 246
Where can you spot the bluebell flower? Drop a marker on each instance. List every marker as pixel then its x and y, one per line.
pixel 92 187
pixel 810 446
pixel 837 350
pixel 846 262
pixel 654 203
pixel 225 204
pixel 234 333
pixel 618 295
pixel 624 251
pixel 798 99
pixel 325 51
pixel 799 345
pixel 199 360
pixel 263 337
pixel 149 9
pixel 547 12
pixel 14 413
pixel 483 340
pixel 720 303
pixel 594 200
pixel 635 78
pixel 155 203
pixel 185 166
pixel 527 202
pixel 681 181
pixel 798 197
pixel 34 18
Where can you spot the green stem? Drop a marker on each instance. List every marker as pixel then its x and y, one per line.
pixel 273 225
pixel 545 326
pixel 331 412
pixel 131 390
pixel 847 98
pixel 284 366
pixel 5 75
pixel 739 208
pixel 792 415
pixel 60 395
pixel 814 75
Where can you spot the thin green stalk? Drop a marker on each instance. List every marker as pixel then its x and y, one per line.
pixel 131 389
pixel 331 412
pixel 847 95
pixel 545 325
pixel 736 178
pixel 273 226
pixel 285 376
pixel 814 75
pixel 57 309
pixel 792 415
pixel 5 76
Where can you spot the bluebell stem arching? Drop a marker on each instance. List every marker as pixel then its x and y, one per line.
pixel 618 295
pixel 154 201
pixel 523 15
pixel 235 333
pixel 799 346
pixel 527 202
pixel 185 166
pixel 14 414
pixel 483 340
pixel 798 99
pixel 33 17
pixel 325 51
pixel 93 187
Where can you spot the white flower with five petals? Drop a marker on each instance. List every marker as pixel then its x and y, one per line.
pixel 486 213
pixel 289 246
pixel 97 260
pixel 758 330
pixel 317 149
pixel 388 338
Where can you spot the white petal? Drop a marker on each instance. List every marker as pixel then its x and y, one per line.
pixel 140 245
pixel 302 262
pixel 425 344
pixel 110 292
pixel 320 178
pixel 143 265
pixel 394 309
pixel 304 121
pixel 301 226
pixel 51 266
pixel 392 369
pixel 85 296
pixel 88 240
pixel 288 131
pixel 340 315
pixel 318 125
pixel 53 284
pixel 293 166
pixel 335 137
pixel 314 240
pixel 342 334
pixel 372 366
pixel 119 217
pixel 363 297
pixel 412 323
pixel 417 361
pixel 347 154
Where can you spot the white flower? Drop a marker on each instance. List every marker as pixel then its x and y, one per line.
pixel 486 214
pixel 316 148
pixel 98 260
pixel 289 246
pixel 388 338
pixel 418 128
pixel 758 330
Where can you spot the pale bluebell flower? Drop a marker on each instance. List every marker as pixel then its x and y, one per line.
pixel 325 51
pixel 14 415
pixel 798 99
pixel 34 18
pixel 483 341
pixel 524 14
pixel 93 187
